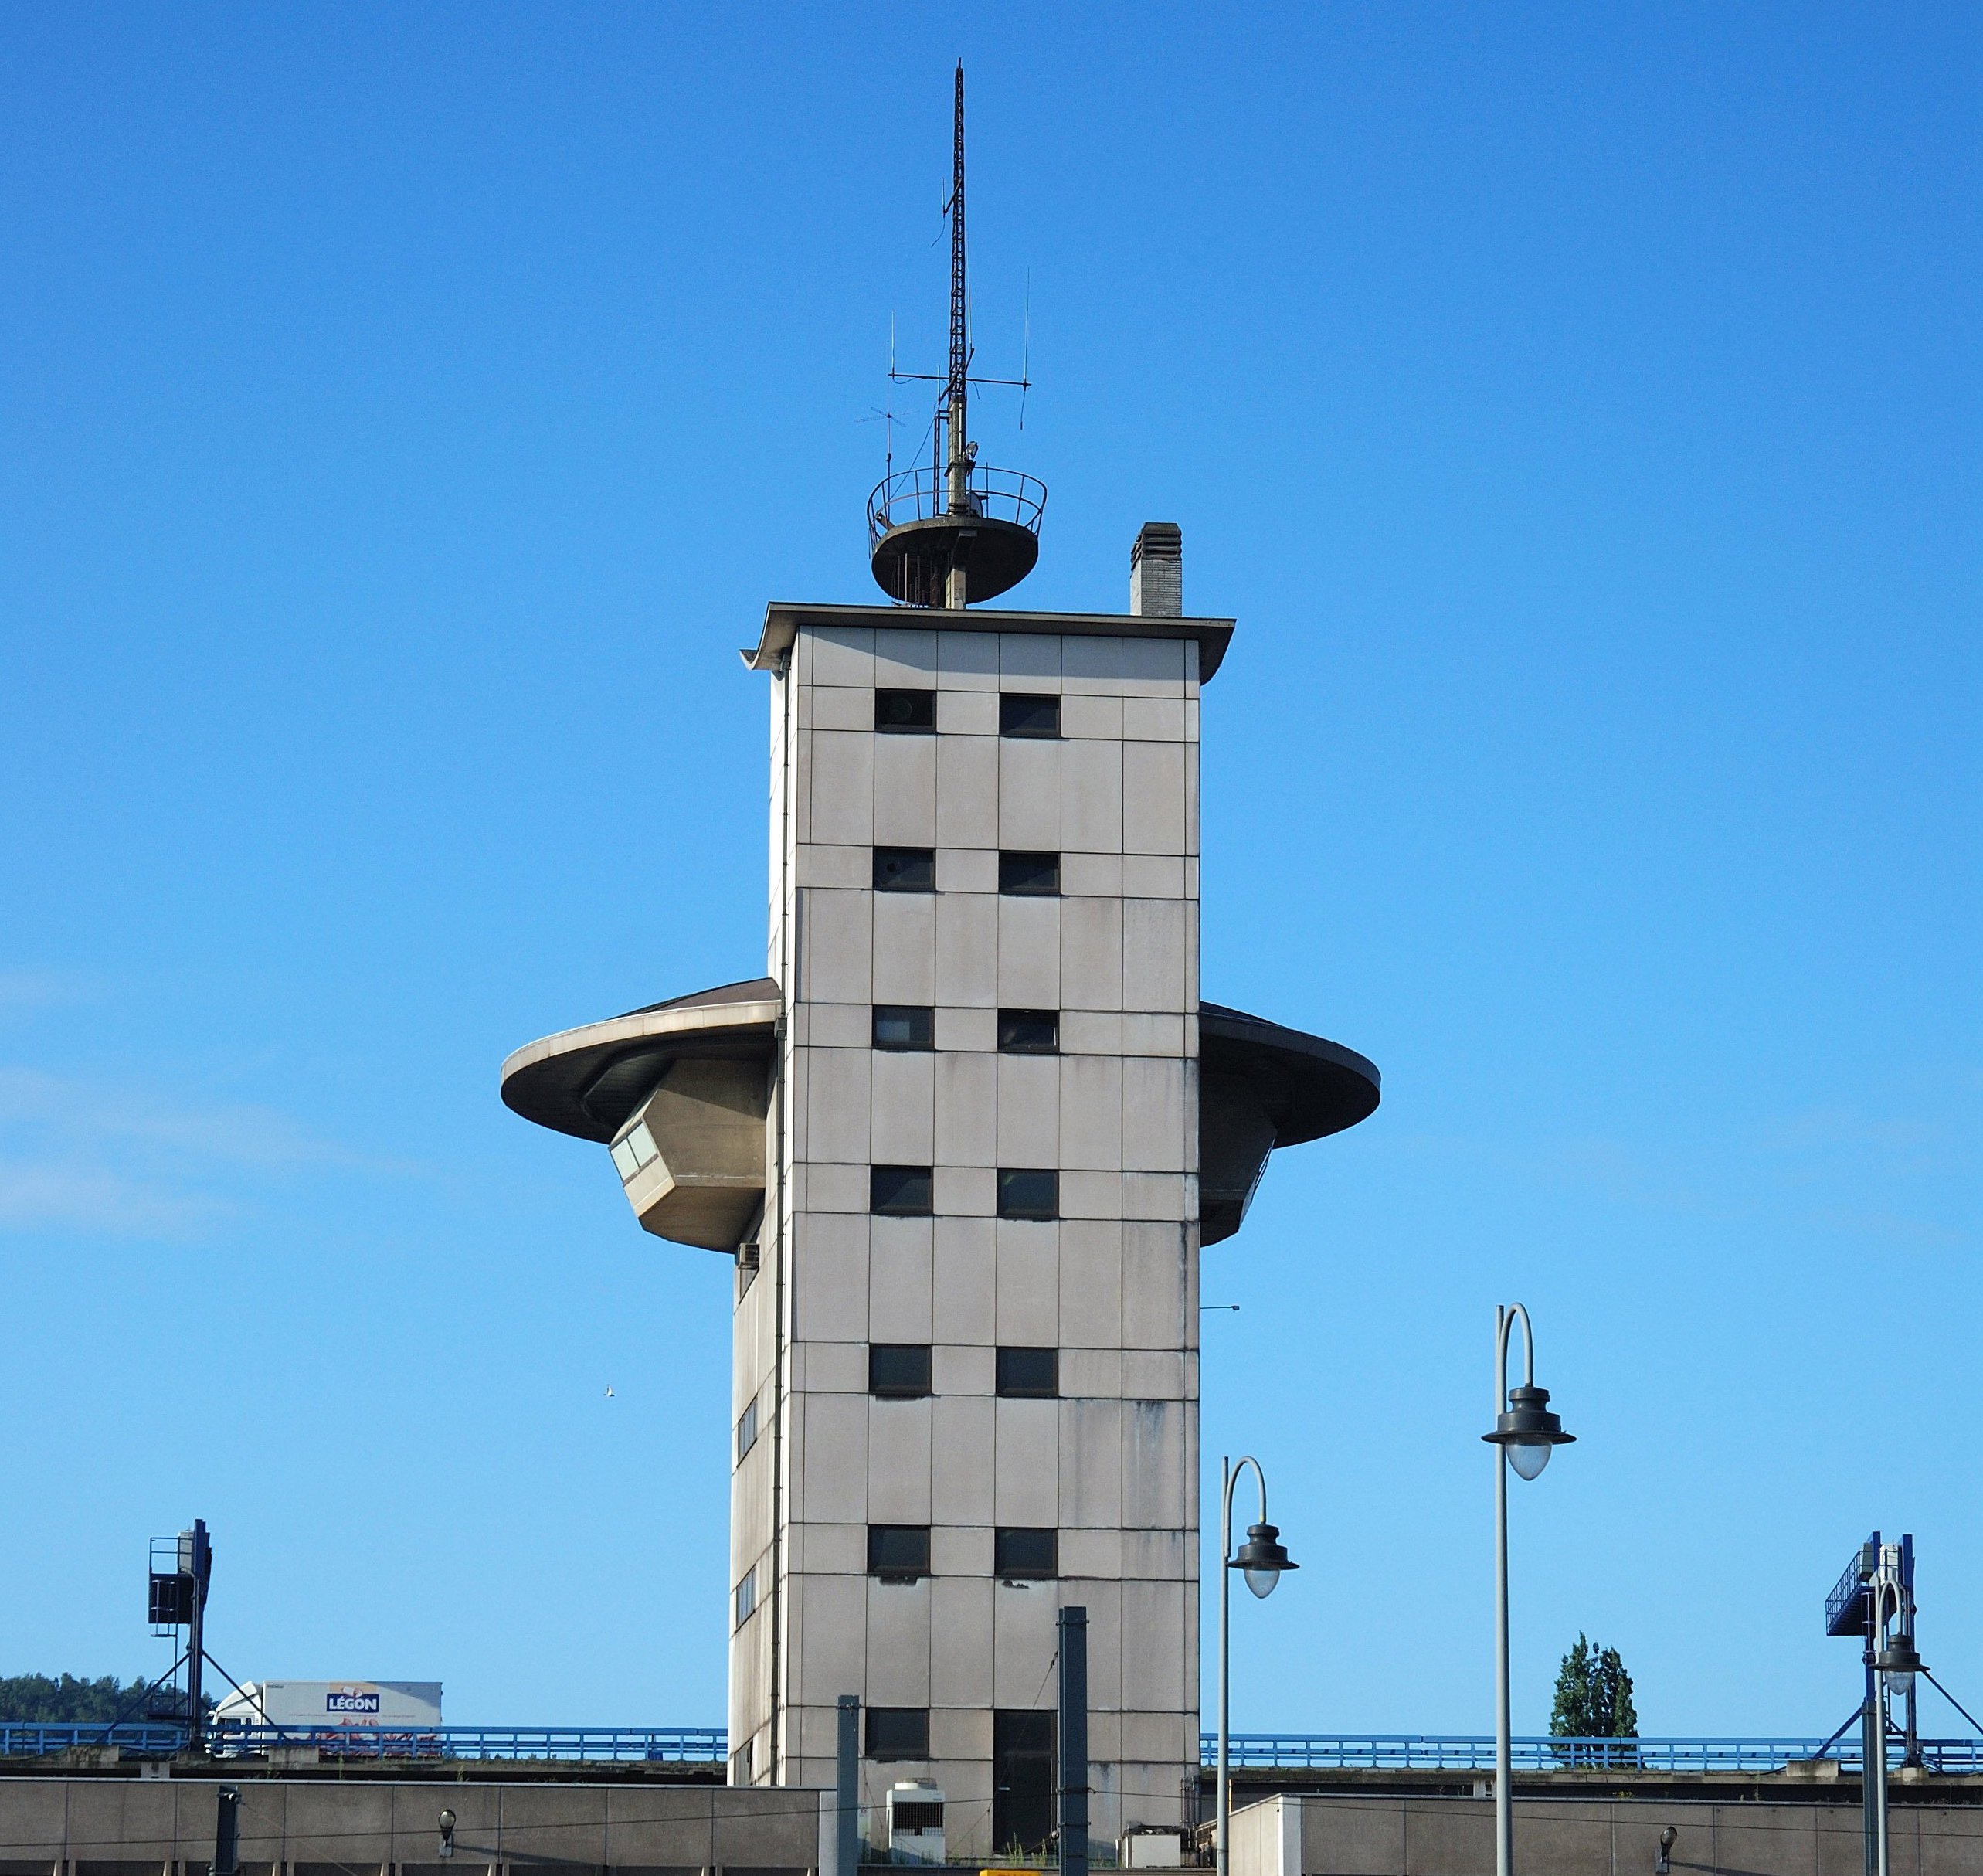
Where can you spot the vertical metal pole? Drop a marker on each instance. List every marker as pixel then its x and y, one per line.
pixel 1913 1754
pixel 1073 1624
pixel 1224 1819
pixel 202 1569
pixel 1504 1750
pixel 1877 1772
pixel 1868 1805
pixel 847 1792
pixel 227 1833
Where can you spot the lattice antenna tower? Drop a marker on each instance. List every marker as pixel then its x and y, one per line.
pixel 954 533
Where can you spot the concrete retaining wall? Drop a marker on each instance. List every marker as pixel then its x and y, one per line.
pixel 1381 1836
pixel 127 1826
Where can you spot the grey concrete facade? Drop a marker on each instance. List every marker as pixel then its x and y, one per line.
pixel 1373 1834
pixel 1110 1466
pixel 981 980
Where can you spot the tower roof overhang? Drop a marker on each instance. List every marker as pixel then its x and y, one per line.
pixel 783 618
pixel 586 1082
pixel 1261 1086
pixel 1307 1085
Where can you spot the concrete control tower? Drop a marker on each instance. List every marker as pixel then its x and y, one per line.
pixel 965 1140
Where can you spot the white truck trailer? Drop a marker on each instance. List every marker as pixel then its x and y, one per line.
pixel 315 1706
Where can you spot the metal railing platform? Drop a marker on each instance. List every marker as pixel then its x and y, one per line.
pixel 579 1745
pixel 1448 1752
pixel 709 1746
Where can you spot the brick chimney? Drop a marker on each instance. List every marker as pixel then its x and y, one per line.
pixel 1156 571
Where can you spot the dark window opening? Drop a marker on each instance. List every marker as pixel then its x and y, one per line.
pixel 905 1025
pixel 1033 873
pixel 905 713
pixel 1029 1374
pixel 898 1552
pixel 1029 1032
pixel 897 1732
pixel 898 1370
pixel 1022 1780
pixel 1028 1192
pixel 1024 1551
pixel 900 1191
pixel 1022 715
pixel 905 869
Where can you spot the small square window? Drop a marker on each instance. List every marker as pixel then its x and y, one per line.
pixel 1029 1032
pixel 1038 873
pixel 1028 1192
pixel 900 1192
pixel 905 713
pixel 898 1370
pixel 900 1551
pixel 746 1598
pixel 1020 715
pixel 1025 1550
pixel 1029 1374
pixel 746 1431
pixel 913 869
pixel 897 1732
pixel 905 1025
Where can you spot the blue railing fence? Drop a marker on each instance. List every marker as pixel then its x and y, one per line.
pixel 1449 1752
pixel 709 1746
pixel 587 1745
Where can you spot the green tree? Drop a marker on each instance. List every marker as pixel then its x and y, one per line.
pixel 63 1700
pixel 1593 1696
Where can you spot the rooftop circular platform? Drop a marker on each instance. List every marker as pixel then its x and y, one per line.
pixel 918 528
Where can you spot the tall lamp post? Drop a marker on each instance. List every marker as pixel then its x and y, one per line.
pixel 1261 1560
pixel 1895 1664
pixel 1525 1431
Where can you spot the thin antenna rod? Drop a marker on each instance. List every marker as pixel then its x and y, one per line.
pixel 1025 352
pixel 960 361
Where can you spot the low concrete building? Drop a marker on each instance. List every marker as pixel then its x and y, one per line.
pixel 1405 1834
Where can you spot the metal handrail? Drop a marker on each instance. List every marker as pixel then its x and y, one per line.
pixel 924 494
pixel 590 1744
pixel 34 1739
pixel 710 1744
pixel 1414 1752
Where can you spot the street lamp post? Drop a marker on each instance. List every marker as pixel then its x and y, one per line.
pixel 1524 1431
pixel 1262 1561
pixel 1895 1664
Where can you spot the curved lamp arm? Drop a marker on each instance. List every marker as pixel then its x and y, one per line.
pixel 1504 1324
pixel 1234 1468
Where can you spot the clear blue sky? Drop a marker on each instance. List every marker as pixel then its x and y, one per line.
pixel 407 413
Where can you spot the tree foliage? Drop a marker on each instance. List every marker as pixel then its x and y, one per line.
pixel 63 1700
pixel 1593 1696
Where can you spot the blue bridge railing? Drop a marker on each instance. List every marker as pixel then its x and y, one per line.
pixel 29 1739
pixel 1448 1752
pixel 588 1745
pixel 709 1746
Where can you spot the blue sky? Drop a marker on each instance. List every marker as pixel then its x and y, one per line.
pixel 407 413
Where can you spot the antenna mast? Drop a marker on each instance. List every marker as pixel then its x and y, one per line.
pixel 958 390
pixel 949 533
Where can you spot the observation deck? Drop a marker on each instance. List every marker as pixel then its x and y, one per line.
pixel 919 529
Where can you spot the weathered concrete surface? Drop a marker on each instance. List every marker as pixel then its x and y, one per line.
pixel 148 1827
pixel 1371 1835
